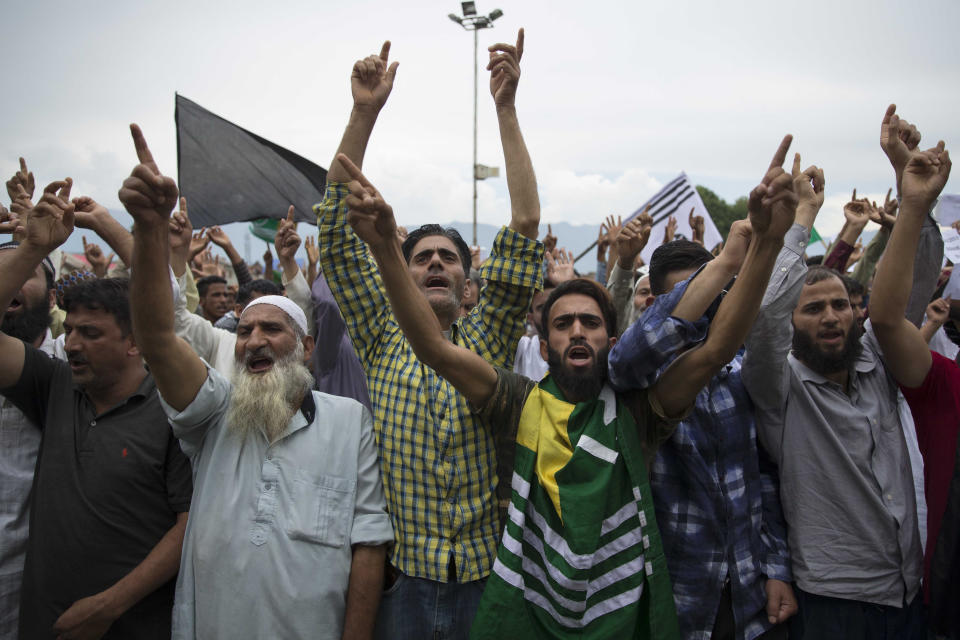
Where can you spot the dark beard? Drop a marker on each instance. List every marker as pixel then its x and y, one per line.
pixel 578 387
pixel 811 355
pixel 27 325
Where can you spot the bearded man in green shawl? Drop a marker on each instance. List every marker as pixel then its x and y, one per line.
pixel 581 555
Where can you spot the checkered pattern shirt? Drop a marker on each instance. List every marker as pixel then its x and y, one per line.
pixel 715 490
pixel 437 458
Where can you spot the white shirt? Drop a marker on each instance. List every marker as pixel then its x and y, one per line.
pixel 268 545
pixel 19 445
pixel 529 362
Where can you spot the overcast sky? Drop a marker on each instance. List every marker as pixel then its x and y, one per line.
pixel 616 98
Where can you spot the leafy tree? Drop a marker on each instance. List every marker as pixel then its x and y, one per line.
pixel 723 213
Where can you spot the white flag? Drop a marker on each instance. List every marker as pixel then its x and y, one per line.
pixel 676 199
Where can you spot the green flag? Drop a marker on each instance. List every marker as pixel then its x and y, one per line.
pixel 814 236
pixel 581 556
pixel 265 228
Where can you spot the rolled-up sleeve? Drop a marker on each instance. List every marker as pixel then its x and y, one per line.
pixel 371 524
pixel 190 426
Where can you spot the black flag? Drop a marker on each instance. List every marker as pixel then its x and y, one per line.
pixel 228 174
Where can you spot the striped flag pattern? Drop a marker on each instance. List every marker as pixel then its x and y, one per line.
pixel 580 556
pixel 676 199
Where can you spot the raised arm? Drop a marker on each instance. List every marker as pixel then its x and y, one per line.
pixel 772 208
pixel 150 196
pixel 371 83
pixel 287 241
pixel 92 215
pixel 344 260
pixel 906 354
pixel 220 238
pixel 504 67
pixel 372 219
pixel 48 225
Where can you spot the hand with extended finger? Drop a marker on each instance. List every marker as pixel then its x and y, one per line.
pixel 560 269
pixel 886 216
pixel 148 195
pixel 219 237
pixel 287 240
pixel 504 68
pixel 631 240
pixel 857 211
pixel 99 263
pixel 368 213
pixel 808 185
pixel 88 213
pixel 550 240
pixel 772 205
pixel 24 178
pixel 670 230
pixel 898 138
pixel 372 80
pixel 924 177
pixel 50 222
pixel 313 251
pixel 198 242
pixel 697 227
pixel 614 226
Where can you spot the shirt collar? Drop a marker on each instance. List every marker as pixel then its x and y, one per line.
pixel 865 363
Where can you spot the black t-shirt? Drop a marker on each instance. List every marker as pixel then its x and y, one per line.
pixel 106 490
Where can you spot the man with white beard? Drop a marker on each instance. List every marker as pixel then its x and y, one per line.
pixel 288 532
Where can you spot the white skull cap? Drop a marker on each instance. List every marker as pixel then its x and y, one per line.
pixel 286 304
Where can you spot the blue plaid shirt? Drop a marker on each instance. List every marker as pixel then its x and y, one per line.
pixel 715 490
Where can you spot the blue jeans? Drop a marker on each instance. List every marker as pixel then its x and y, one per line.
pixel 419 609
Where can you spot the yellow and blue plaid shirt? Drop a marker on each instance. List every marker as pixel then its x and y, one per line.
pixel 437 457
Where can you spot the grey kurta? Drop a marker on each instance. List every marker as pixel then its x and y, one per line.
pixel 267 550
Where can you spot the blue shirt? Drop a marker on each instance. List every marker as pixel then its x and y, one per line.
pixel 715 491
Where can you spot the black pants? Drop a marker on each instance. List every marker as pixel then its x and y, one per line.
pixel 825 618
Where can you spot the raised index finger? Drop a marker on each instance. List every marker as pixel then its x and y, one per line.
pixel 143 151
pixel 781 155
pixel 23 167
pixel 519 44
pixel 353 170
pixel 385 51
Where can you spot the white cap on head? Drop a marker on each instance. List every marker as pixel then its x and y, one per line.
pixel 286 304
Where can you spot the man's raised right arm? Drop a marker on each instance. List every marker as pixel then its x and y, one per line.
pixel 372 219
pixel 344 260
pixel 150 197
pixel 48 225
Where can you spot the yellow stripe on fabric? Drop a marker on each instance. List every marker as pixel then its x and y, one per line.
pixel 543 430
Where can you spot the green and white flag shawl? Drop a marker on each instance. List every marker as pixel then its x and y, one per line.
pixel 581 555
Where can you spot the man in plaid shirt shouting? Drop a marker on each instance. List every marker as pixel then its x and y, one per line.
pixel 438 459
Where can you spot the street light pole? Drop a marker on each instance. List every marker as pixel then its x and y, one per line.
pixel 475 90
pixel 473 22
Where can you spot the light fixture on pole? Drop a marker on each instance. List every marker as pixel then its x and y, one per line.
pixel 473 22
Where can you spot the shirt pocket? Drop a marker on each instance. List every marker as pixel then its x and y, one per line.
pixel 321 509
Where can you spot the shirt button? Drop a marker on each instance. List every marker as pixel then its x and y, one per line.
pixel 889 497
pixel 783 268
pixel 93 423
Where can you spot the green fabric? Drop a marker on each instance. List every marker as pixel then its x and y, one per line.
pixel 814 236
pixel 596 569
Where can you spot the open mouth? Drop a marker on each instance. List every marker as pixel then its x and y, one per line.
pixel 831 336
pixel 77 364
pixel 15 305
pixel 436 282
pixel 579 355
pixel 259 364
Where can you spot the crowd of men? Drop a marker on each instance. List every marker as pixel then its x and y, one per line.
pixel 406 442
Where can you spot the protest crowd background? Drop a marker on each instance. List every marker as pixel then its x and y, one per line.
pixel 706 420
